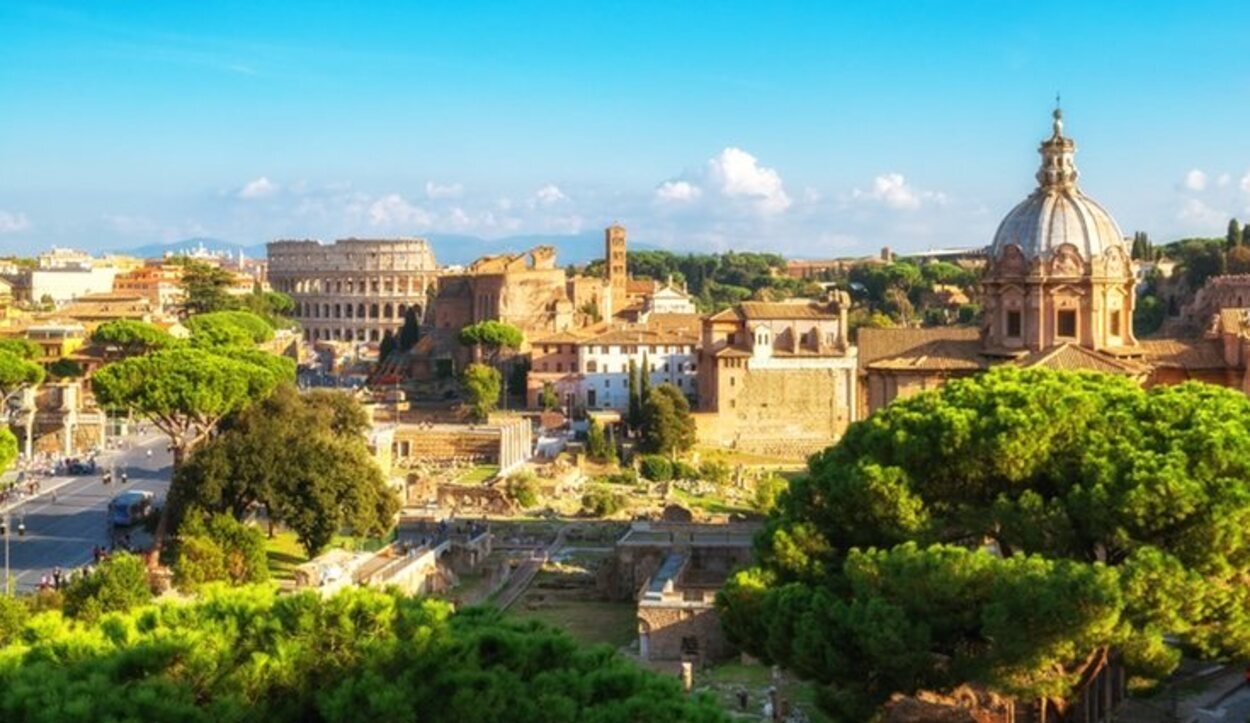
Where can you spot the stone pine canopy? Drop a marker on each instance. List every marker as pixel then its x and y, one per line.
pixel 1058 225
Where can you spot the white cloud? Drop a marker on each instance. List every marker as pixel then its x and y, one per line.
pixel 1224 180
pixel 1195 180
pixel 677 192
pixel 1245 183
pixel 449 190
pixel 892 190
pixel 549 194
pixel 738 174
pixel 393 210
pixel 260 188
pixel 1197 212
pixel 13 222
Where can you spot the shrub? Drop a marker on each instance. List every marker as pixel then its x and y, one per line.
pixel 715 472
pixel 522 487
pixel 221 548
pixel 601 501
pixel 656 468
pixel 684 470
pixel 627 477
pixel 767 490
pixel 117 584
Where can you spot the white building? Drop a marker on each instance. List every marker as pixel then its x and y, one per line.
pixel 592 369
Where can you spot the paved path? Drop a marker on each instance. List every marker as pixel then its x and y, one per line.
pixel 1235 708
pixel 68 517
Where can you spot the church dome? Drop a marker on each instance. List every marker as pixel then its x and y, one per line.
pixel 1057 216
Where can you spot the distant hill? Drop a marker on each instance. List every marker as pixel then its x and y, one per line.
pixel 152 251
pixel 449 249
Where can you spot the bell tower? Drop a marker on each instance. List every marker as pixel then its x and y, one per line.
pixel 615 270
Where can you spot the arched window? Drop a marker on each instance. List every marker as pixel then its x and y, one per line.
pixel 373 312
pixel 360 311
pixel 388 311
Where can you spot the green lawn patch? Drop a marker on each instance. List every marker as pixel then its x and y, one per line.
pixel 479 474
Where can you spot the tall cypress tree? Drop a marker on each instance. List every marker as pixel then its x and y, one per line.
pixel 635 399
pixel 1234 233
pixel 644 383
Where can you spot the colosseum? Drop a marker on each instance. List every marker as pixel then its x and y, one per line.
pixel 353 289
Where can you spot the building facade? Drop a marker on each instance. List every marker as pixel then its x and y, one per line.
pixel 1059 292
pixel 353 290
pixel 777 378
pixel 591 369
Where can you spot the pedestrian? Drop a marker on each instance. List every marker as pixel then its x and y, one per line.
pixel 56 578
pixel 44 583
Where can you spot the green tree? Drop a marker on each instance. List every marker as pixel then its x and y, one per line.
pixel 1233 237
pixel 768 490
pixel 602 501
pixel 185 393
pixel 633 416
pixel 220 329
pixel 410 332
pixel 548 399
pixel 1110 510
pixel 667 426
pixel 596 441
pixel 205 288
pixel 65 368
pixel 482 385
pixel 304 457
pixel 118 583
pixel 644 380
pixel 1238 260
pixel 218 548
pixel 387 346
pixel 21 348
pixel 656 468
pixel 492 337
pixel 248 653
pixel 522 487
pixel 131 337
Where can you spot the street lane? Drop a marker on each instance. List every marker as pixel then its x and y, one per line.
pixel 62 532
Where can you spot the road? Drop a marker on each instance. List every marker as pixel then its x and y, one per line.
pixel 61 532
pixel 1234 708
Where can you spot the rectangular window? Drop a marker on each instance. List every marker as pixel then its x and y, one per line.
pixel 1013 324
pixel 1115 323
pixel 559 366
pixel 1066 323
pixel 592 366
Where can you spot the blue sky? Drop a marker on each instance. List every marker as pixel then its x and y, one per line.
pixel 815 129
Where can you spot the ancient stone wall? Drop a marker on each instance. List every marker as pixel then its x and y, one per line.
pixel 353 289
pixel 678 632
pixel 784 412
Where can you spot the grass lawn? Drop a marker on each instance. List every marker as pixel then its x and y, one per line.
pixel 725 680
pixel 712 503
pixel 590 621
pixel 479 474
pixel 285 553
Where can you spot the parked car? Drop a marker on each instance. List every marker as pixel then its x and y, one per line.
pixel 131 507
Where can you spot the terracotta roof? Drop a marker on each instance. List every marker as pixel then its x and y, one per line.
pixel 764 310
pixel 732 351
pixel 560 337
pixel 642 335
pixel 879 344
pixel 1184 353
pixel 1071 357
pixel 640 286
pixel 942 355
